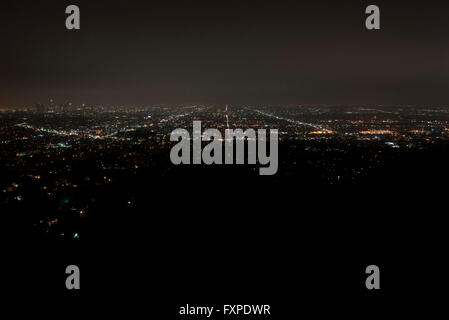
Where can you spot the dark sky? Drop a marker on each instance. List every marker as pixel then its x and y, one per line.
pixel 242 52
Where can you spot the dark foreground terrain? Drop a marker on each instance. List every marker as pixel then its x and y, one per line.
pixel 164 236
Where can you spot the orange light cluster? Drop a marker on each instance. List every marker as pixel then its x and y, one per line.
pixel 324 131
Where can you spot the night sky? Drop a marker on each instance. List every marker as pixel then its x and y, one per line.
pixel 238 52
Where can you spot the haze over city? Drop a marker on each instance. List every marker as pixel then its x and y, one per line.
pixel 237 52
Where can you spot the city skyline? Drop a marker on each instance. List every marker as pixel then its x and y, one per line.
pixel 66 160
